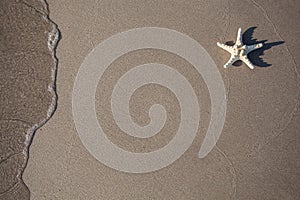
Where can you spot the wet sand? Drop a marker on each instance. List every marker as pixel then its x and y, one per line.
pixel 257 156
pixel 27 80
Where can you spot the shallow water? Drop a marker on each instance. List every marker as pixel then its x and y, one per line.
pixel 27 86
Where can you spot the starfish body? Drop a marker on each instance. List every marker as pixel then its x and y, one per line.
pixel 239 51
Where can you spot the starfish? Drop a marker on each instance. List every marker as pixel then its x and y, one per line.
pixel 239 51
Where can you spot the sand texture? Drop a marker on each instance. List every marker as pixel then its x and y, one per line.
pixel 257 155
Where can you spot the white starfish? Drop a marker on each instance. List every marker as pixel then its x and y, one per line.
pixel 239 51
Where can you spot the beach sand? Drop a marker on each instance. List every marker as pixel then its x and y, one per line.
pixel 257 155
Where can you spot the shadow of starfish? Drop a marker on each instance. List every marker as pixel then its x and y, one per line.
pixel 255 56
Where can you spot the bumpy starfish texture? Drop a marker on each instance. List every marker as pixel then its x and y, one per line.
pixel 239 51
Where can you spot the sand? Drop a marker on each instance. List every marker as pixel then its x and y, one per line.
pixel 27 79
pixel 257 155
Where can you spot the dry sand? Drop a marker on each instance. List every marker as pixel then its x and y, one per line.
pixel 257 156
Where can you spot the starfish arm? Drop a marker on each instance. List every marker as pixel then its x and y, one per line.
pixel 253 47
pixel 247 62
pixel 239 38
pixel 225 47
pixel 231 60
